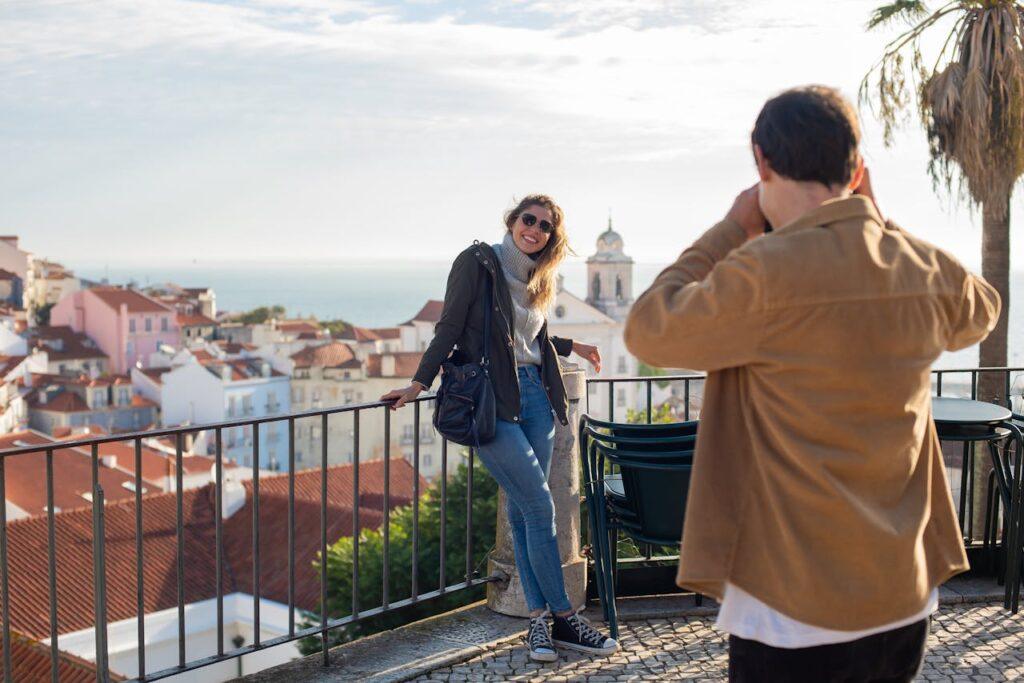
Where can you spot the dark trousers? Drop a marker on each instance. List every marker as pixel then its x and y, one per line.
pixel 894 656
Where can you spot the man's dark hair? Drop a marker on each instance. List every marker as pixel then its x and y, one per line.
pixel 809 134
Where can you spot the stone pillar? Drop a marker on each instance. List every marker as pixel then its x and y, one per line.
pixel 564 480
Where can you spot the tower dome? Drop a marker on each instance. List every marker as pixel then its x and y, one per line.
pixel 609 242
pixel 609 247
pixel 610 276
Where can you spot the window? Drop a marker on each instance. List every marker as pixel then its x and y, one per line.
pixel 620 397
pixel 622 364
pixel 131 325
pixel 346 375
pixel 124 396
pixel 163 324
pixel 247 405
pixel 149 324
pixel 231 406
pixel 316 394
pixel 298 394
pixel 408 432
pixel 428 460
pixel 348 396
pixel 130 349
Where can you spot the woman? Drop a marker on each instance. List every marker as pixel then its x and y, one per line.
pixel 529 395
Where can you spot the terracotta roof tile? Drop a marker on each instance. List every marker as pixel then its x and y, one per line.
pixel 155 374
pixel 64 402
pixel 136 301
pixel 332 355
pixel 185 320
pixel 406 363
pixel 72 476
pixel 387 332
pixel 27 547
pixel 9 363
pixel 430 313
pixel 298 326
pixel 30 661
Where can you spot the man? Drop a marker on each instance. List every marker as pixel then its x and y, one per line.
pixel 819 514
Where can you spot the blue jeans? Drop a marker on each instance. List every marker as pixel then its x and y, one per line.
pixel 519 458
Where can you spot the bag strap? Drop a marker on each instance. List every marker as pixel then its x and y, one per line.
pixel 488 304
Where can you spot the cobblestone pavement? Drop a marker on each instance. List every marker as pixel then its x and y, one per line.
pixel 968 643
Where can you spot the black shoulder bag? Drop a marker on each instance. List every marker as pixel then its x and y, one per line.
pixel 465 411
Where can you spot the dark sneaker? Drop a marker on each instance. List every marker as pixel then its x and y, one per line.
pixel 576 633
pixel 538 639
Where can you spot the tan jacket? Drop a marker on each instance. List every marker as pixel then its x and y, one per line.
pixel 818 482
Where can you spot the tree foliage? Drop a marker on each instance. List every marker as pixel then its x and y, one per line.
pixel 42 315
pixel 970 99
pixel 261 315
pixel 340 557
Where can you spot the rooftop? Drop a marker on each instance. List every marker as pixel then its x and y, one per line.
pixel 27 544
pixel 332 355
pixel 406 363
pixel 430 313
pixel 135 301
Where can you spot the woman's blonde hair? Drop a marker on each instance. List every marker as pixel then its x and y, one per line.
pixel 543 284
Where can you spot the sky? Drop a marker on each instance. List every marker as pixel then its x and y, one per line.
pixel 323 131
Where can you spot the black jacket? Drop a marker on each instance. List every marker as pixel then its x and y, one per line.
pixel 461 328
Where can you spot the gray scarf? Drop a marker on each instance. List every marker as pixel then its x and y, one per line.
pixel 517 267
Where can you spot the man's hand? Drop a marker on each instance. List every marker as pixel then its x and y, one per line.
pixel 747 213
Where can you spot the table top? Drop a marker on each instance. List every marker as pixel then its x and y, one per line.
pixel 964 411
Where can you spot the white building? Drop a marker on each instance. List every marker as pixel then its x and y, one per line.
pixel 51 283
pixel 19 262
pixel 200 388
pixel 15 383
pixel 600 320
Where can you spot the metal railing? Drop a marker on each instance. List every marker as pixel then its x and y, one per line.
pixel 966 387
pixel 689 379
pixel 359 612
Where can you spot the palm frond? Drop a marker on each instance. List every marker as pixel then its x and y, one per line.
pixel 971 100
pixel 908 10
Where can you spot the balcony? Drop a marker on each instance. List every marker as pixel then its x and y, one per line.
pixel 274 588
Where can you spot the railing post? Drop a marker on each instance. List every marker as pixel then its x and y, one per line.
pixel 564 481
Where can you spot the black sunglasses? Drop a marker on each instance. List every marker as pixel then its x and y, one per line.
pixel 529 220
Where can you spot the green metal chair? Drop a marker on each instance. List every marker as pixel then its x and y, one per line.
pixel 636 482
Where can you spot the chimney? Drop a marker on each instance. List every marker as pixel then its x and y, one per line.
pixel 109 461
pixel 232 497
pixel 225 372
pixel 387 365
pixel 44 396
pixel 265 369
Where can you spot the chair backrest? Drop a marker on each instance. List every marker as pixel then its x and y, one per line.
pixel 644 438
pixel 656 490
pixel 655 463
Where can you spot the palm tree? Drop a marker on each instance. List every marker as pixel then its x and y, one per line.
pixel 971 104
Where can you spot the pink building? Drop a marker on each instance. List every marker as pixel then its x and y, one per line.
pixel 126 325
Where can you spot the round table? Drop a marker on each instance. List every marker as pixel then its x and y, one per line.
pixel 966 420
pixel 950 413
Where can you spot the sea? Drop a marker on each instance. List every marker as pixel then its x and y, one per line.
pixel 383 294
